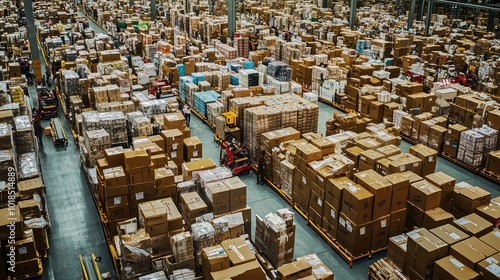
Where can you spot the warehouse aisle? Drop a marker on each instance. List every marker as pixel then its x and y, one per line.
pixel 75 224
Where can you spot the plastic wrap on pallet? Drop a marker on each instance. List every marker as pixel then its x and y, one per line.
pixel 24 134
pixel 490 139
pixel 200 100
pixel 184 80
pixel 197 77
pixel 186 186
pixel 139 96
pixel 5 136
pixel 153 107
pixel 215 174
pixel 221 227
pixel 6 162
pixel 70 80
pixel 181 69
pixel 27 166
pixel 203 235
pixel 214 110
pixel 470 148
pixel 280 71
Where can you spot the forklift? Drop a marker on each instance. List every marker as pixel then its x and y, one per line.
pixel 57 132
pixel 235 156
pixel 47 103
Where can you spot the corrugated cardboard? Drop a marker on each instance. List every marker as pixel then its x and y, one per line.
pixel 449 234
pixel 294 270
pixel 400 189
pixel 473 225
pixel 238 251
pixel 471 251
pixel 424 195
pixel 436 217
pixel 492 239
pixel 357 204
pixel 451 268
pixel 246 271
pixel 381 189
pixel 489 268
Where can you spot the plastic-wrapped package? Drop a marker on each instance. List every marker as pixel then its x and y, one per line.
pixel 186 187
pixel 203 235
pixel 275 222
pixel 221 227
pixel 24 134
pixel 182 246
pixel 6 162
pixel 153 107
pixel 70 81
pixel 27 166
pixel 215 174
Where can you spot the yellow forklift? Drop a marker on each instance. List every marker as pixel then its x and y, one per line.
pixel 90 269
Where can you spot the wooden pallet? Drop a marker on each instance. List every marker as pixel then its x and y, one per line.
pixel 408 139
pixel 490 176
pixel 472 169
pixel 27 276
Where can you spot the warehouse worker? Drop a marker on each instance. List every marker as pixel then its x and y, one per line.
pixel 39 132
pixel 261 168
pixel 187 114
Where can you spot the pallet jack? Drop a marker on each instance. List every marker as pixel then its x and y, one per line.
pixel 47 104
pixel 57 131
pixel 235 156
pixel 90 269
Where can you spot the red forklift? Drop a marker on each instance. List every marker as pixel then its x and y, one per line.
pixel 47 103
pixel 235 156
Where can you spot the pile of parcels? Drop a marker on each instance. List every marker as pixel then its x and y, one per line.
pixel 24 223
pixel 464 248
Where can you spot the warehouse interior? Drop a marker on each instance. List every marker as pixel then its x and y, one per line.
pixel 73 219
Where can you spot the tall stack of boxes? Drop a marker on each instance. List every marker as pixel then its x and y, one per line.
pixel 141 178
pixel 275 236
pixel 174 147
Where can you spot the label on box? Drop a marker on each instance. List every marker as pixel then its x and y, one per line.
pixel 497 234
pixel 413 235
pixel 348 226
pixel 362 158
pixel 195 154
pixel 415 164
pixel 304 180
pixel 383 223
pixel 402 168
pixel 320 202
pixel 449 131
pixel 431 159
pixel 22 251
pixel 494 269
pixel 332 213
pixel 353 188
pixel 462 221
pixel 362 231
pixel 174 146
pixel 491 260
pixel 457 263
pixel 117 200
pixel 139 196
pixel 454 236
pixel 398 238
pixel 342 222
pixel 321 179
pixel 404 245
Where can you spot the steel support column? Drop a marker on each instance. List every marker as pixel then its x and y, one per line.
pixel 420 9
pixel 231 17
pixel 153 9
pixel 131 2
pixel 352 15
pixel 186 6
pixel 403 8
pixel 411 14
pixel 491 21
pixel 30 26
pixel 324 4
pixel 428 17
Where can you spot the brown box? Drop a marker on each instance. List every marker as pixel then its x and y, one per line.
pixel 368 159
pixel 424 195
pixel 238 251
pixel 357 204
pixel 309 152
pixel 353 154
pixel 398 222
pixel 490 212
pixel 294 270
pixel 449 234
pixel 445 182
pixel 471 251
pixel 213 259
pixel 415 218
pixel 488 268
pixel 153 217
pixel 451 268
pixel 380 188
pixel 251 270
pixel 192 148
pixel 492 239
pixel 428 157
pixel 473 225
pixel 423 249
pixel 400 189
pixel 192 206
pixel 334 190
pixel 380 232
pixel 355 238
pixel 465 200
pixel 173 121
pixel 436 217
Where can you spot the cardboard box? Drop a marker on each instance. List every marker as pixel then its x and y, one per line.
pixel 192 206
pixel 192 148
pixel 357 204
pixel 380 188
pixel 213 259
pixel 424 195
pixel 398 222
pixel 355 238
pixel 246 271
pixel 400 189
pixel 423 249
pixel 153 218
pixel 415 217
pixel 172 265
pixel 451 268
pixel 490 212
pixel 471 251
pixel 492 238
pixel 137 158
pixel 368 159
pixel 465 200
pixel 436 217
pixel 241 255
pixel 445 182
pixel 488 268
pixel 174 121
pixel 294 270
pixel 309 152
pixel 380 232
pixel 449 234
pixel 473 225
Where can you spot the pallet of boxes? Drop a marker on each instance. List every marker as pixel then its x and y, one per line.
pixel 25 221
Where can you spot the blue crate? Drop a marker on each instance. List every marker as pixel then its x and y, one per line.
pixel 197 77
pixel 181 69
pixel 249 65
pixel 234 80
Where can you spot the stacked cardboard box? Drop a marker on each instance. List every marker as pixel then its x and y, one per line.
pixel 428 157
pixel 192 148
pixel 470 148
pixel 141 178
pixel 466 200
pixel 174 147
pixel 275 237
pixel 452 139
pixel 192 206
pixel 423 250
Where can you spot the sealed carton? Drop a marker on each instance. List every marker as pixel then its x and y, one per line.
pixel 424 195
pixel 357 204
pixel 489 268
pixel 436 217
pixel 449 234
pixel 471 251
pixel 473 225
pixel 451 268
pixel 355 238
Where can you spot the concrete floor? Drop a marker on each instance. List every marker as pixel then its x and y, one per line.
pixel 76 228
